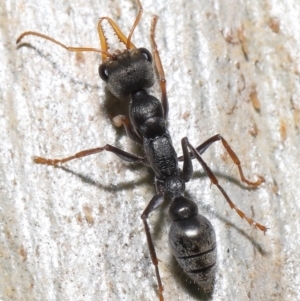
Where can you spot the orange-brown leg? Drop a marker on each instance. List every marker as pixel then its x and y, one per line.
pixel 118 152
pixel 202 148
pixel 155 202
pixel 214 180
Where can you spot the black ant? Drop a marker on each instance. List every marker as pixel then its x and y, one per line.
pixel 128 73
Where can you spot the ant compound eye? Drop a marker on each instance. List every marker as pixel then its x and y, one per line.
pixel 103 73
pixel 146 54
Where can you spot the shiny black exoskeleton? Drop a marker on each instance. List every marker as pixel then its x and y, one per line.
pixel 191 237
pixel 128 73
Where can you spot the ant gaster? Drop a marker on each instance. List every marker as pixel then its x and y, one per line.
pixel 128 73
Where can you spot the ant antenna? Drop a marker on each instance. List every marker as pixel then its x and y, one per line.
pixel 74 49
pixel 137 20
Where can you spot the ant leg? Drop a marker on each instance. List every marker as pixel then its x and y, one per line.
pixel 202 148
pixel 118 152
pixel 159 68
pixel 214 180
pixel 187 170
pixel 155 202
pixel 120 120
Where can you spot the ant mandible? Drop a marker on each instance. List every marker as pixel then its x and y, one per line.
pixel 128 73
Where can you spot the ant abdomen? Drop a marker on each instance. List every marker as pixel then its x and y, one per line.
pixel 193 242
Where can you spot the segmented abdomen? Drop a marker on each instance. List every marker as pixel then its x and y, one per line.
pixel 193 243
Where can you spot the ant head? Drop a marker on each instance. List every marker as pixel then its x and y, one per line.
pixel 128 71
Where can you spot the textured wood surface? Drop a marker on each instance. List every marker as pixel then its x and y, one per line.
pixel 75 233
